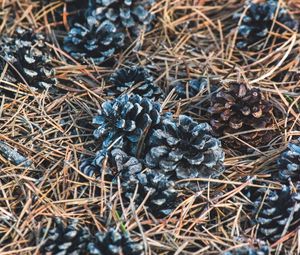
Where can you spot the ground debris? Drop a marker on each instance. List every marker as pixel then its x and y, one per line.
pixel 13 155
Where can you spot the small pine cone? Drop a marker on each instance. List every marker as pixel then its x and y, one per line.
pixel 114 243
pixel 125 121
pixel 127 15
pixel 239 109
pixel 183 149
pixel 135 80
pixel 118 163
pixel 28 58
pixel 162 199
pixel 258 22
pixel 247 250
pixel 194 87
pixel 70 239
pixel 93 41
pixel 163 196
pixel 289 164
pixel 274 210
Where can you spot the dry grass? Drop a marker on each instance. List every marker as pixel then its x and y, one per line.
pixel 50 129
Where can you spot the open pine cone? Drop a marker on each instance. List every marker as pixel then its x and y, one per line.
pixel 274 209
pixel 125 14
pixel 135 80
pixel 162 199
pixel 240 109
pixel 70 239
pixel 182 148
pixel 74 239
pixel 125 121
pixel 194 87
pixel 258 22
pixel 113 242
pixel 289 163
pixel 28 59
pixel 94 41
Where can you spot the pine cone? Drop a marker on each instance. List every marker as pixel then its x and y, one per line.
pixel 136 80
pixel 185 149
pixel 247 250
pixel 125 14
pixel 71 239
pixel 258 22
pixel 194 87
pixel 74 239
pixel 118 163
pixel 114 243
pixel 162 199
pixel 93 41
pixel 28 59
pixel 125 122
pixel 239 109
pixel 289 164
pixel 274 209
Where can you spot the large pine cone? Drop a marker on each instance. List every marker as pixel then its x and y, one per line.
pixel 274 208
pixel 70 239
pixel 93 41
pixel 258 21
pixel 28 58
pixel 182 148
pixel 113 242
pixel 135 80
pixel 247 250
pixel 239 109
pixel 125 121
pixel 289 164
pixel 125 14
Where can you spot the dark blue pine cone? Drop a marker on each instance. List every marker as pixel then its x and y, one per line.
pixel 163 197
pixel 118 164
pixel 194 86
pixel 275 209
pixel 113 242
pixel 247 250
pixel 182 148
pixel 127 15
pixel 94 41
pixel 289 164
pixel 258 21
pixel 69 239
pixel 135 80
pixel 125 122
pixel 28 59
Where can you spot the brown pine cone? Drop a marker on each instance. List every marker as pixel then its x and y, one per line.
pixel 239 109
